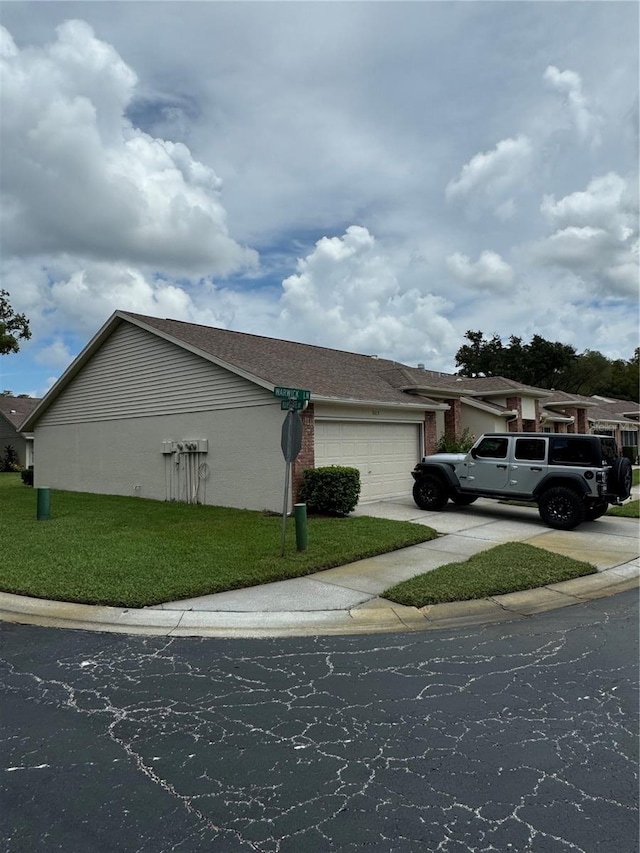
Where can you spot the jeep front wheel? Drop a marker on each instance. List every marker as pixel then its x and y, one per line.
pixel 430 493
pixel 562 508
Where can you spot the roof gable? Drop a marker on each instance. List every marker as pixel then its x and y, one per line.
pixel 16 409
pixel 330 375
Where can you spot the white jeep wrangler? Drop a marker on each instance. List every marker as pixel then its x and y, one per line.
pixel 571 477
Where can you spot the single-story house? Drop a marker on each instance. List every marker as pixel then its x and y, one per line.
pixel 176 411
pixel 13 411
pixel 171 410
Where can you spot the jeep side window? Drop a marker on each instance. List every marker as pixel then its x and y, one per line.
pixel 492 448
pixel 571 451
pixel 609 450
pixel 531 449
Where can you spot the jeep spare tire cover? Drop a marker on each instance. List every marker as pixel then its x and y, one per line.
pixel 621 477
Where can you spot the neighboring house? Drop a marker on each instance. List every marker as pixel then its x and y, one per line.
pixel 13 411
pixel 177 411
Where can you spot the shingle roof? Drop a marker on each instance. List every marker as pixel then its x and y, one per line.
pixel 327 373
pixel 16 409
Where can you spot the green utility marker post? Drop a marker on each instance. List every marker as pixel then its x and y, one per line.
pixel 43 512
pixel 300 515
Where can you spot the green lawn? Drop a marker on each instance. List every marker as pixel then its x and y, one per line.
pixel 635 475
pixel 627 510
pixel 506 568
pixel 131 552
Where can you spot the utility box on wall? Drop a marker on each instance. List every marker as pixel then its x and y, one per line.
pixel 186 470
pixel 192 445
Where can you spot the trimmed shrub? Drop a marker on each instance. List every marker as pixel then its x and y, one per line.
pixel 333 490
pixel 631 452
pixel 27 476
pixel 449 443
pixel 9 461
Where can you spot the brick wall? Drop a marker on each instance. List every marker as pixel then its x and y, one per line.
pixel 430 434
pixel 572 412
pixel 306 457
pixel 453 418
pixel 515 425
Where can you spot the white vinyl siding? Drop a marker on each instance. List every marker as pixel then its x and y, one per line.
pixel 384 453
pixel 137 374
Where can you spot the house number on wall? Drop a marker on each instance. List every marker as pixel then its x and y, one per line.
pixel 375 411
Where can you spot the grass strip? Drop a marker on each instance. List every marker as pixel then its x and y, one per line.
pixel 628 510
pixel 132 552
pixel 511 567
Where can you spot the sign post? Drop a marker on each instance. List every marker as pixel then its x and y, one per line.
pixel 293 400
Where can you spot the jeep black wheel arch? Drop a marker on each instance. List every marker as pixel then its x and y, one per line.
pixel 445 472
pixel 571 481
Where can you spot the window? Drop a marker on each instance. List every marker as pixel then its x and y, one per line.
pixel 571 451
pixel 629 438
pixel 532 449
pixel 492 448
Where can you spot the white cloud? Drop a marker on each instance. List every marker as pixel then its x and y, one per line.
pixel 56 355
pixel 346 294
pixel 569 84
pixel 596 235
pixel 489 178
pixel 79 178
pixel 606 203
pixel 489 272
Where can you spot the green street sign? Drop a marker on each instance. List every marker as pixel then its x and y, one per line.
pixel 292 393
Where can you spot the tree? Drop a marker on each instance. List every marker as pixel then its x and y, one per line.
pixel 480 357
pixel 13 327
pixel 550 364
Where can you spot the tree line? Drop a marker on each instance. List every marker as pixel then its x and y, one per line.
pixel 550 364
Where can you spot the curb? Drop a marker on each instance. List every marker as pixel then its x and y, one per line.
pixel 375 616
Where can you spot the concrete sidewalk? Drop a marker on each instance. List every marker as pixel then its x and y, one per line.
pixel 346 600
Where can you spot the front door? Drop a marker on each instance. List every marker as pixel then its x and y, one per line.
pixel 528 464
pixel 489 468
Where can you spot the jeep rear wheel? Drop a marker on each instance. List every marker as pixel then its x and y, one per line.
pixel 562 508
pixel 430 493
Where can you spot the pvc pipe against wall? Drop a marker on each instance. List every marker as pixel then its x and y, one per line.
pixel 43 511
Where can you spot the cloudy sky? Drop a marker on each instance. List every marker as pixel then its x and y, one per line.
pixel 378 177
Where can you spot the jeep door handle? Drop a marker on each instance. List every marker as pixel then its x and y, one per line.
pixel 536 469
pixel 502 466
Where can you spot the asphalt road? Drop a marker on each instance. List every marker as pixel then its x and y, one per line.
pixel 513 737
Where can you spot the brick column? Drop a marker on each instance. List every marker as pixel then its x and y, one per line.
pixel 430 435
pixel 516 424
pixel 572 413
pixel 306 457
pixel 453 418
pixel 581 422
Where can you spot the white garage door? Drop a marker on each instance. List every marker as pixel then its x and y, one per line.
pixel 384 454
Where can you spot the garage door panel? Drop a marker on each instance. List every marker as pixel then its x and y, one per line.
pixel 383 453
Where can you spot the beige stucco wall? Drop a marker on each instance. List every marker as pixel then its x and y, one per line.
pixel 367 412
pixel 124 457
pixel 479 422
pixel 528 409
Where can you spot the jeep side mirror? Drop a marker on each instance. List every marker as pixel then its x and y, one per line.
pixel 474 452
